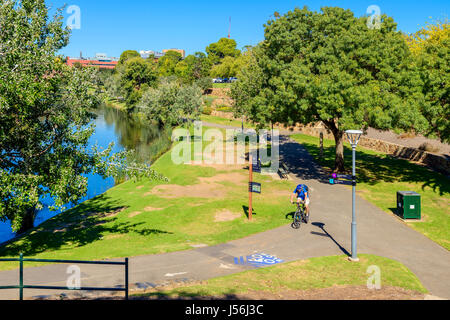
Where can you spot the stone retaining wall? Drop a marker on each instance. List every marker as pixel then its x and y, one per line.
pixel 436 162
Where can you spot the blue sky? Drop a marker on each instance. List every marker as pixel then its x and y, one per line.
pixel 114 26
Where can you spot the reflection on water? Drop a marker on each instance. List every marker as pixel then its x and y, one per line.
pixel 127 134
pixel 148 141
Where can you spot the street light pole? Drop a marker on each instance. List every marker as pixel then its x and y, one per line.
pixel 354 136
pixel 354 234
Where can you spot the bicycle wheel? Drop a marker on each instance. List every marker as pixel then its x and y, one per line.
pixel 305 218
pixel 297 221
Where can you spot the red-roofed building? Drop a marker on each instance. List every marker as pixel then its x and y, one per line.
pixel 100 61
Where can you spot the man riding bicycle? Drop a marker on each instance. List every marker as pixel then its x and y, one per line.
pixel 302 194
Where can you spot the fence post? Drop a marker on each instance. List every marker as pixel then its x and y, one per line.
pixel 21 277
pixel 126 278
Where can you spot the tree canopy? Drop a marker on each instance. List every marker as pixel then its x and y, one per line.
pixel 168 63
pixel 431 48
pixel 329 66
pixel 223 48
pixel 45 117
pixel 126 55
pixel 137 75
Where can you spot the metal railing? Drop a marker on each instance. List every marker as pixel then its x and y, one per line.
pixel 22 286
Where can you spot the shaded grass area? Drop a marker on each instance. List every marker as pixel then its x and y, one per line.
pixel 131 220
pixel 315 273
pixel 229 122
pixel 380 176
pixel 115 103
pixel 225 122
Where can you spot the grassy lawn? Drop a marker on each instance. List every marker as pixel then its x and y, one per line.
pixel 200 205
pixel 221 85
pixel 380 177
pixel 115 103
pixel 316 273
pixel 226 122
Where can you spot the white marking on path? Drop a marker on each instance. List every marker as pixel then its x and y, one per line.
pixel 226 266
pixel 171 275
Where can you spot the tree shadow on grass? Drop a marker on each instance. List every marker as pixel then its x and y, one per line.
pixel 77 227
pixel 371 168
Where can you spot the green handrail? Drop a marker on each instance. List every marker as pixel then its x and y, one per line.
pixel 21 285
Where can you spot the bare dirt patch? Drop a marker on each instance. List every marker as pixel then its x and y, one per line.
pixel 226 215
pixel 333 293
pixel 134 214
pixel 207 188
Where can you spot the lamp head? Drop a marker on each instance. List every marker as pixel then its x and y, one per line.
pixel 354 136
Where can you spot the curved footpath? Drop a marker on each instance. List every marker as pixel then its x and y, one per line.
pixel 329 233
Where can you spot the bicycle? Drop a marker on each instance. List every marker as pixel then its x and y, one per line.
pixel 300 216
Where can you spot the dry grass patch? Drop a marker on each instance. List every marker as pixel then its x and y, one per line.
pixel 226 215
pixel 207 188
pixel 134 214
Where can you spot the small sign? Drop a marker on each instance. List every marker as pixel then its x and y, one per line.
pixel 342 176
pixel 254 187
pixel 257 167
pixel 342 182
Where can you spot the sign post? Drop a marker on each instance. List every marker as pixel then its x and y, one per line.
pixel 321 145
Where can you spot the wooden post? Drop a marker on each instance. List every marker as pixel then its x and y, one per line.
pixel 250 195
pixel 321 145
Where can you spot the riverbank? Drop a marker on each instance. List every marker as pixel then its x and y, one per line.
pixel 201 206
pixel 127 133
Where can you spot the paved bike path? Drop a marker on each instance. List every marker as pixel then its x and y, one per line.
pixel 329 233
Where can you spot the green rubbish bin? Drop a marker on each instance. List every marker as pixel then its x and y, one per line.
pixel 409 205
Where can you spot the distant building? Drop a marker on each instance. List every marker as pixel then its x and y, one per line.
pixel 181 51
pixel 101 61
pixel 145 54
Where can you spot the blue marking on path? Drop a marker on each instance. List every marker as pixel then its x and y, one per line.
pixel 258 260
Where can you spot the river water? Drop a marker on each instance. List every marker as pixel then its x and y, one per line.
pixel 127 134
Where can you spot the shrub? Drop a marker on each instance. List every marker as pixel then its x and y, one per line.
pixel 207 111
pixel 224 108
pixel 204 83
pixel 170 104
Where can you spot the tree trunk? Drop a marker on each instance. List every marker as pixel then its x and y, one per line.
pixel 28 221
pixel 339 165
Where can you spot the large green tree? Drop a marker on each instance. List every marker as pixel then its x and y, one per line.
pixel 44 117
pixel 127 55
pixel 329 66
pixel 230 66
pixel 431 48
pixel 168 63
pixel 137 75
pixel 223 48
pixel 171 103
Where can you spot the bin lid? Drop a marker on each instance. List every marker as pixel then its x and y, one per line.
pixel 408 193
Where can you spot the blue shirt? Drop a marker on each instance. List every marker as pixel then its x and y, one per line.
pixel 301 191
